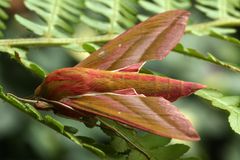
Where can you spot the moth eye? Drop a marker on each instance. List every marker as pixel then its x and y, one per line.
pixel 184 20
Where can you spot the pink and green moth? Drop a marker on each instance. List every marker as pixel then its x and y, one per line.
pixel 108 82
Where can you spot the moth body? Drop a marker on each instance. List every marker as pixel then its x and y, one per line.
pixel 77 81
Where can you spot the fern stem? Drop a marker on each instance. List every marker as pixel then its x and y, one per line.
pixel 64 41
pixel 114 17
pixel 217 23
pixel 52 18
pixel 53 41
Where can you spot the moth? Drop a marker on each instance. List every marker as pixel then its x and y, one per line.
pixel 108 83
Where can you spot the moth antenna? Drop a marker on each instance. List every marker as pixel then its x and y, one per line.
pixel 26 100
pixel 58 103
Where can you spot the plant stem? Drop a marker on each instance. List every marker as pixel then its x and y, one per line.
pixel 53 41
pixel 65 41
pixel 114 18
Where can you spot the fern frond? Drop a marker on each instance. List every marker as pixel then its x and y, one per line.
pixel 3 15
pixel 49 121
pixel 158 6
pixel 57 17
pixel 220 9
pixel 110 16
pixel 209 58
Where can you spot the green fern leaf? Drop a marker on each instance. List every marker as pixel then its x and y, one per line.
pixel 3 15
pixel 158 6
pixel 57 17
pixel 110 16
pixel 226 38
pixel 228 103
pixel 20 56
pixel 209 58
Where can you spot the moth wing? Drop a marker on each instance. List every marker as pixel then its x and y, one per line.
pixel 151 39
pixel 153 114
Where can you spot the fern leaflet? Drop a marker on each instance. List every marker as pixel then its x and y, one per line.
pixel 158 6
pixel 20 56
pixel 110 16
pixel 220 9
pixel 57 17
pixel 3 15
pixel 228 103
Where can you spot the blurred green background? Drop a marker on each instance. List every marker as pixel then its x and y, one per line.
pixel 23 138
